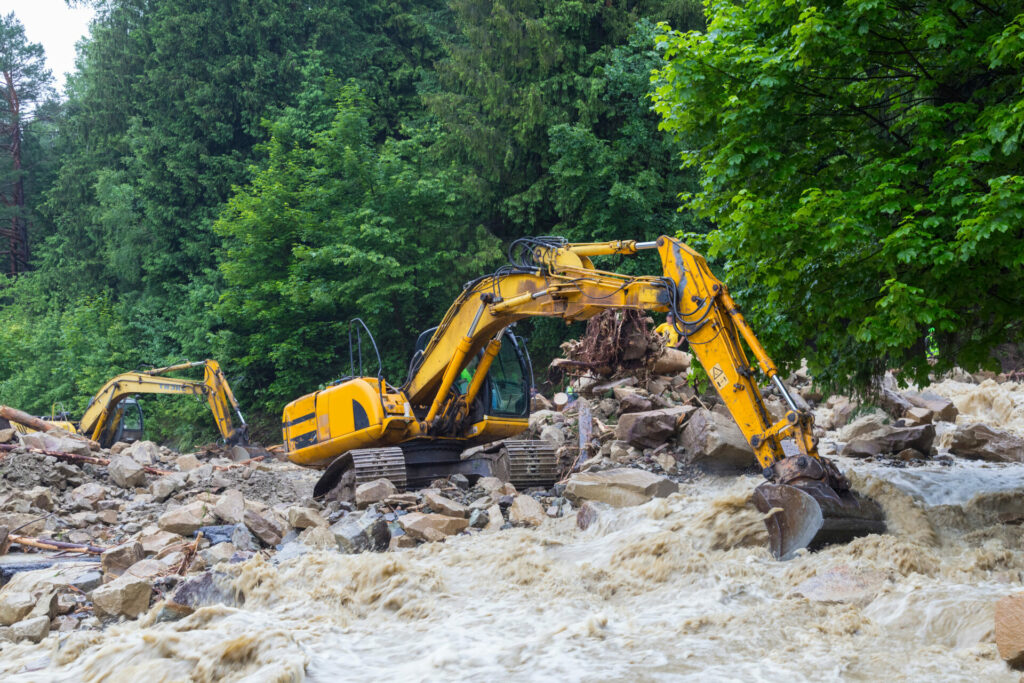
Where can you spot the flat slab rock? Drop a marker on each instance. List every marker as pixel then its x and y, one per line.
pixel 621 487
pixel 851 585
pixel 1009 618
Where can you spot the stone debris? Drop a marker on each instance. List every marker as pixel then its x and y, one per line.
pixel 619 487
pixel 374 492
pixel 430 526
pixel 526 510
pixel 981 442
pixel 444 506
pixel 126 596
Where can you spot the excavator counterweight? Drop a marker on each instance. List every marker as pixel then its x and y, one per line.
pixel 359 426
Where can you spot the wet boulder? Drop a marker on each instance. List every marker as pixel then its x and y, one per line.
pixel 230 507
pixel 633 402
pixel 650 428
pixel 894 403
pixel 126 472
pixel 33 629
pixel 264 527
pixel 368 532
pixel 15 606
pixel 1009 628
pixel 87 496
pixel 443 505
pixel 143 452
pixel 187 519
pixel 526 510
pixel 209 588
pixel 891 440
pixel 942 408
pixel 431 527
pixel 714 442
pixel 981 442
pixel 116 560
pixel 374 492
pixel 304 518
pixel 126 596
pixel 843 584
pixel 620 487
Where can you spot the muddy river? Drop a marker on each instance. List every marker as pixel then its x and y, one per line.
pixel 678 589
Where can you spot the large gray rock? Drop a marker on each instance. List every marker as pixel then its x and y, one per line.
pixel 125 472
pixel 650 428
pixel 264 527
pixel 714 442
pixel 33 629
pixel 374 492
pixel 942 408
pixel 15 606
pixel 56 440
pixel 1009 629
pixel 116 560
pixel 431 527
pixel 209 588
pixel 891 440
pixel 361 533
pixel 863 426
pixel 981 442
pixel 230 507
pixel 444 506
pixel 126 596
pixel 304 518
pixel 143 452
pixel 87 496
pixel 166 486
pixel 894 403
pixel 187 519
pixel 619 487
pixel 526 510
pixel 552 434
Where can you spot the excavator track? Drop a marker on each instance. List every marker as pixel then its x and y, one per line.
pixel 525 463
pixel 531 462
pixel 379 463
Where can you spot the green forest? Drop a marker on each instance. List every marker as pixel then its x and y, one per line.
pixel 237 179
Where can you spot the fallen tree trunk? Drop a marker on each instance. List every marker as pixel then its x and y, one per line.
pixel 49 544
pixel 32 422
pixel 73 457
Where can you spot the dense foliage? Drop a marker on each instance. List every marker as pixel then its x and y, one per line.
pixel 238 179
pixel 862 163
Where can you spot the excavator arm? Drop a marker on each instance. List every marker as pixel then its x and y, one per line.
pixel 100 419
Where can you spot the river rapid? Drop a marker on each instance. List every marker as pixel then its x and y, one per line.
pixel 678 589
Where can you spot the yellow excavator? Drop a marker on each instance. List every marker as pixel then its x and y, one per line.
pixel 114 415
pixel 361 428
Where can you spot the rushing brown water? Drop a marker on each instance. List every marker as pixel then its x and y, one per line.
pixel 677 589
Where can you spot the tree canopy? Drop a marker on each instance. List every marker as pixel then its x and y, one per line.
pixel 861 162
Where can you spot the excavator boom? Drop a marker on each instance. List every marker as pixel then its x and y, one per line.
pixel 807 499
pixel 100 419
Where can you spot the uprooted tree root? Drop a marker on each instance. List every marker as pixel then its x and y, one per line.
pixel 616 342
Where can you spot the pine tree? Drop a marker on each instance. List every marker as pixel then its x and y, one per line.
pixel 24 84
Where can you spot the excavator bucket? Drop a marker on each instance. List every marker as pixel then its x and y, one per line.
pixel 812 506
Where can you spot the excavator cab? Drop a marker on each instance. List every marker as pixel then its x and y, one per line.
pixel 506 390
pixel 130 421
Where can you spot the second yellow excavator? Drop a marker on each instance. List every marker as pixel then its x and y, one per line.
pixel 113 414
pixel 361 428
